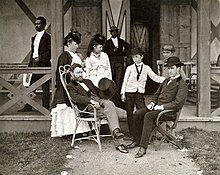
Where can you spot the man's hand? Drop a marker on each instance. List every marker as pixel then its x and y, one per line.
pixel 95 103
pixel 150 106
pixel 115 49
pixel 123 98
pixel 158 107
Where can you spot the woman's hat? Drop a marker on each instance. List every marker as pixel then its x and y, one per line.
pixel 168 47
pixel 171 61
pixel 99 39
pixel 107 88
pixel 72 35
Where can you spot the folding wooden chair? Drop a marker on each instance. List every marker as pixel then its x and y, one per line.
pixel 168 130
pixel 92 118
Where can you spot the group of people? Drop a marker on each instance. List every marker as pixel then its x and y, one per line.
pixel 104 67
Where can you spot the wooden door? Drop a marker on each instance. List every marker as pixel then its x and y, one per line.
pixel 86 18
pixel 175 23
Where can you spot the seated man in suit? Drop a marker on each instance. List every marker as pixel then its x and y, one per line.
pixel 84 92
pixel 171 94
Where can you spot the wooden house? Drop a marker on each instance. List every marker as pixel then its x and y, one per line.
pixel 192 26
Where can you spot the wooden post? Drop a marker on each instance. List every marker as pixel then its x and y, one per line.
pixel 57 33
pixel 203 60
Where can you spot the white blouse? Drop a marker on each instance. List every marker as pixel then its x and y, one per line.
pixel 75 58
pixel 98 67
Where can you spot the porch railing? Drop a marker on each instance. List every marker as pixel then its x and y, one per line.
pixel 19 94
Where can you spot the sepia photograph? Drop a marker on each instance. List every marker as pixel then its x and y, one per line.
pixel 109 87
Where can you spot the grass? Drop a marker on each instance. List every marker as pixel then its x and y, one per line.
pixel 204 149
pixel 39 154
pixel 32 154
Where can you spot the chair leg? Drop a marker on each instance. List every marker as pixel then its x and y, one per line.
pixel 171 137
pixel 74 133
pixel 97 131
pixel 157 147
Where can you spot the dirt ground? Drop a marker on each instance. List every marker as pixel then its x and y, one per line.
pixel 88 160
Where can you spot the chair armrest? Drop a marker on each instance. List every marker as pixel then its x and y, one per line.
pixel 84 111
pixel 162 113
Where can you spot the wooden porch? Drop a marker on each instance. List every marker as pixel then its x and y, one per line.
pixel 36 122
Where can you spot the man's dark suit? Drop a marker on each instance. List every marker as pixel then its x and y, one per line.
pixel 116 59
pixel 44 52
pixel 171 96
pixel 82 98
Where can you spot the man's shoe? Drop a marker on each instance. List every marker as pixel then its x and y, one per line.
pixel 131 145
pixel 122 149
pixel 141 152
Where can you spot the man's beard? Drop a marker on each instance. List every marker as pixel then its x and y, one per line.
pixel 80 79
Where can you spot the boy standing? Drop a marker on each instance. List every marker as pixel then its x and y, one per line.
pixel 168 50
pixel 133 87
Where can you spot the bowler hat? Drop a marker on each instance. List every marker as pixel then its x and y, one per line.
pixel 136 51
pixel 168 47
pixel 113 28
pixel 107 88
pixel 171 61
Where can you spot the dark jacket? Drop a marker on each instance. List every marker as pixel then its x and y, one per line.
pixel 44 51
pixel 118 56
pixel 173 95
pixel 79 95
pixel 60 96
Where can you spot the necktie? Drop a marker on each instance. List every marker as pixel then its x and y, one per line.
pixel 138 72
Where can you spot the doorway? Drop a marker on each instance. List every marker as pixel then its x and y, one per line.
pixel 145 30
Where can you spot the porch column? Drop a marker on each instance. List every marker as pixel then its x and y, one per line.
pixel 57 32
pixel 203 60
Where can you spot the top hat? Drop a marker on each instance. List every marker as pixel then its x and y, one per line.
pixel 136 51
pixel 168 47
pixel 113 28
pixel 171 61
pixel 107 88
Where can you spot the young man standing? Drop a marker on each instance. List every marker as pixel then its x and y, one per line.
pixel 116 48
pixel 168 50
pixel 40 57
pixel 133 87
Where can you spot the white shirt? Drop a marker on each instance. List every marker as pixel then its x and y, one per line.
pixel 130 82
pixel 115 41
pixel 75 58
pixel 98 67
pixel 37 42
pixel 84 86
pixel 173 78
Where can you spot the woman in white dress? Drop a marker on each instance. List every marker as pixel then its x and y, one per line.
pixel 97 62
pixel 62 114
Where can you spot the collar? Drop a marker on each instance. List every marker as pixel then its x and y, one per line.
pixel 138 65
pixel 177 76
pixel 96 55
pixel 41 32
pixel 71 52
